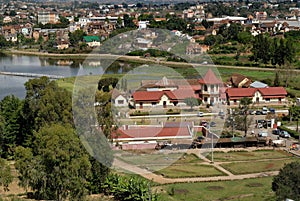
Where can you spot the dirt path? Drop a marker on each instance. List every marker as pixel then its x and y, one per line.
pixel 162 180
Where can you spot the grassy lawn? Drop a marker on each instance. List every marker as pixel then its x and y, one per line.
pixel 160 159
pixel 189 170
pixel 257 166
pixel 246 156
pixel 253 74
pixel 246 190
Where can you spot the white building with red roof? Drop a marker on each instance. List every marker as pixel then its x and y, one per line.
pixel 147 137
pixel 167 93
pixel 268 95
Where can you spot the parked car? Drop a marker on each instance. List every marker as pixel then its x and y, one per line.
pixel 264 112
pixel 252 112
pixel 258 112
pixel 276 132
pixel 221 114
pixel 262 134
pixel 284 134
pixel 272 110
pixel 200 114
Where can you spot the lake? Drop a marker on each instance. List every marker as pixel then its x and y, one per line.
pixel 37 65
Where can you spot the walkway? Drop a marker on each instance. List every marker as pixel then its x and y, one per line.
pixel 30 75
pixel 118 164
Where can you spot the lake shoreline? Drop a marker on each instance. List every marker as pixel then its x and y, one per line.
pixel 136 59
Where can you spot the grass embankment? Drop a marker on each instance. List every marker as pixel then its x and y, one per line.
pixel 189 165
pixel 244 162
pixel 248 155
pixel 246 190
pixel 189 170
pixel 255 167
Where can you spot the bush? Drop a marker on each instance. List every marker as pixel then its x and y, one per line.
pixel 139 113
pixel 128 188
pixel 170 111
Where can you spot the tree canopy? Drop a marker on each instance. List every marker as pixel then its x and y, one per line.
pixel 57 166
pixel 191 101
pixel 10 111
pixel 286 183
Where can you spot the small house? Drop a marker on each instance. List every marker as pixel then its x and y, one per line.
pixel 92 41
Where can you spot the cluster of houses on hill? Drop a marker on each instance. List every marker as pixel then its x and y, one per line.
pixel 26 18
pixel 209 90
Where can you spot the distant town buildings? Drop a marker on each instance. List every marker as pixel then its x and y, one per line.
pixel 45 17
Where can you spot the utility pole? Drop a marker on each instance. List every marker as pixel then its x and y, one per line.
pixel 232 126
pixel 212 144
pixel 149 190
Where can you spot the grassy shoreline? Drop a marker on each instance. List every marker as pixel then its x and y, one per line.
pixel 135 59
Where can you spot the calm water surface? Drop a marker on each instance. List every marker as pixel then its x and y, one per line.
pixel 33 64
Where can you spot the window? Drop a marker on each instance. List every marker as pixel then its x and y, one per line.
pixel 205 99
pixel 120 102
pixel 268 99
pixel 205 87
pixel 212 88
pixel 153 103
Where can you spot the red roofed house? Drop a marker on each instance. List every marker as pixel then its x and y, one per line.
pixel 268 95
pixel 161 98
pixel 165 93
pixel 147 137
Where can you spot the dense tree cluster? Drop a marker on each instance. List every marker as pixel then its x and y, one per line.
pixel 76 37
pixel 286 183
pixel 39 134
pixel 277 51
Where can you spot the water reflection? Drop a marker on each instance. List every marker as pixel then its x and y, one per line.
pixel 43 65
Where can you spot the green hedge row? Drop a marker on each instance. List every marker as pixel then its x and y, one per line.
pixel 144 113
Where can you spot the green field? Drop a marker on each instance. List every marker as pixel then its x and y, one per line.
pixel 150 159
pixel 189 170
pixel 246 156
pixel 154 159
pixel 246 190
pixel 257 166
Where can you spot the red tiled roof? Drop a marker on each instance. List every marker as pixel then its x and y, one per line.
pixel 151 132
pixel 179 94
pixel 269 92
pixel 210 78
pixel 240 92
pixel 147 95
pixel 273 91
